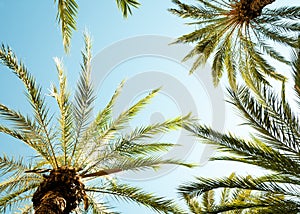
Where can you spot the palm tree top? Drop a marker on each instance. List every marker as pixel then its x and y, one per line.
pixel 237 36
pixel 77 150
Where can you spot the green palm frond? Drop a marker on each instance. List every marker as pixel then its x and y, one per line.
pixel 133 194
pixel 97 207
pixel 296 71
pixel 84 96
pixel 132 164
pixel 72 149
pixel 243 194
pixel 125 6
pixel 238 33
pixel 34 95
pixel 273 146
pixel 66 15
pixel 65 121
pixel 15 198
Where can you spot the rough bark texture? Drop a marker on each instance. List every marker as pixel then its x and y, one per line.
pixel 51 203
pixel 59 193
pixel 246 10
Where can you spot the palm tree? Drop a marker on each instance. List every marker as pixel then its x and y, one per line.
pixel 274 146
pixel 76 154
pixel 67 13
pixel 236 34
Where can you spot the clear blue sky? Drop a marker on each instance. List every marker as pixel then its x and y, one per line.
pixel 30 28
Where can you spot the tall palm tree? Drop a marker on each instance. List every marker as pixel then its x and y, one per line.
pixel 76 154
pixel 274 146
pixel 67 13
pixel 236 34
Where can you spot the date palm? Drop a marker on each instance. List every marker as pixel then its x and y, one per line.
pixel 76 154
pixel 67 13
pixel 236 35
pixel 274 147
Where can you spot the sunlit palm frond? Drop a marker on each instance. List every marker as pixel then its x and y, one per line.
pixel 133 194
pixel 62 97
pixel 66 15
pixel 84 96
pixel 34 95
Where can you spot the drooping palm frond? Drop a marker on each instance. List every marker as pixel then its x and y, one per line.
pixel 236 35
pixel 74 151
pixel 36 100
pixel 66 15
pixel 133 194
pixel 125 6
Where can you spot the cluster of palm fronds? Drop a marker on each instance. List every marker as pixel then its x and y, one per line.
pixel 76 154
pixel 78 148
pixel 275 147
pixel 237 35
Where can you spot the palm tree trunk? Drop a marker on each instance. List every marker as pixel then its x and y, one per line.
pixel 51 203
pixel 246 10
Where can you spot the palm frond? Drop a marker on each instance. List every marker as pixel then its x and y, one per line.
pixel 84 96
pixel 97 207
pixel 65 120
pixel 37 101
pixel 10 165
pixel 126 5
pixel 134 194
pixel 66 15
pixel 132 164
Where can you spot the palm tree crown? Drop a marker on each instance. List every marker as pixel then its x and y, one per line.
pixel 275 147
pixel 237 34
pixel 75 156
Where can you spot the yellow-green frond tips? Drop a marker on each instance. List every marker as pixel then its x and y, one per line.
pixel 66 16
pixel 125 6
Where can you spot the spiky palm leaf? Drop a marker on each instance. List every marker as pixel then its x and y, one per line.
pixel 274 147
pixel 67 12
pixel 237 201
pixel 237 35
pixel 78 151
